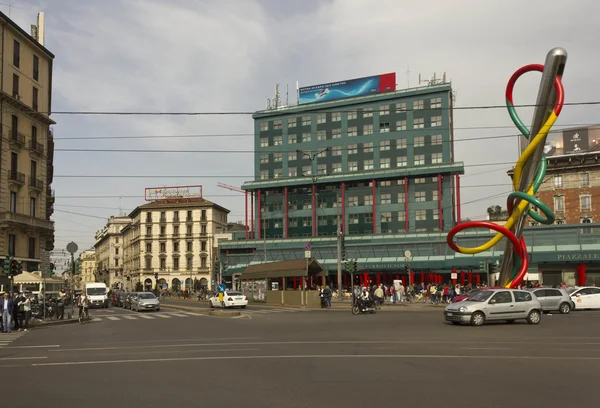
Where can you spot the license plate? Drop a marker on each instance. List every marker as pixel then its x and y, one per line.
pixel 449 314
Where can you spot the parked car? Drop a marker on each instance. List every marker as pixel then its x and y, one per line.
pixel 586 297
pixel 145 301
pixel 230 299
pixel 553 299
pixel 495 304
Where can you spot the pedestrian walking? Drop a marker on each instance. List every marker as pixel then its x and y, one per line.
pixel 6 307
pixel 15 311
pixel 60 309
pixel 24 305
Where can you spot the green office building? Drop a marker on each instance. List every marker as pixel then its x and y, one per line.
pixel 380 163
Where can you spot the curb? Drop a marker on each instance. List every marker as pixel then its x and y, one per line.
pixel 186 309
pixel 53 323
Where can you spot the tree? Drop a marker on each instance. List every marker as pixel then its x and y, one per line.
pixel 496 213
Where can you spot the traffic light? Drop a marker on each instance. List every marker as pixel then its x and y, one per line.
pixel 6 266
pixel 52 270
pixel 14 267
pixel 224 266
pixel 19 268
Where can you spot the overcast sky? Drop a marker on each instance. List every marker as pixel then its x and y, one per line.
pixel 227 55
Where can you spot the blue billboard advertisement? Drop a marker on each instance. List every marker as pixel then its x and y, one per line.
pixel 348 89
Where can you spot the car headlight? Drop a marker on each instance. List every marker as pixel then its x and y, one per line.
pixel 462 309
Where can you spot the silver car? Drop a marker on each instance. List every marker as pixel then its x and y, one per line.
pixel 144 301
pixel 495 304
pixel 553 299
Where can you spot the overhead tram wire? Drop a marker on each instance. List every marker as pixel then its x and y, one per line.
pixel 221 135
pixel 320 109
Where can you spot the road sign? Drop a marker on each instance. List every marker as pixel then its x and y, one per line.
pixel 221 288
pixel 307 246
pixel 72 247
pixel 308 254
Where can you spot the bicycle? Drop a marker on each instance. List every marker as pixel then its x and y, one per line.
pixel 84 316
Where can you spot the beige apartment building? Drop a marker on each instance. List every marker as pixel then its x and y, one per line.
pixel 109 252
pixel 26 147
pixel 172 244
pixel 87 263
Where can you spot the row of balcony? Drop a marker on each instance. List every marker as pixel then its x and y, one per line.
pixel 17 140
pixel 18 178
pixel 163 220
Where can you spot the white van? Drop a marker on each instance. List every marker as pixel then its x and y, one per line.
pixel 97 294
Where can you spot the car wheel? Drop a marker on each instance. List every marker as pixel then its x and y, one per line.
pixel 510 321
pixel 477 319
pixel 534 317
pixel 564 308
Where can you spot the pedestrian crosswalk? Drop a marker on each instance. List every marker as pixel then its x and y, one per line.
pixel 273 310
pixel 145 316
pixel 8 338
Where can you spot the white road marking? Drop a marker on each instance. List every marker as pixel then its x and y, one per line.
pixel 164 316
pixel 324 356
pixel 146 317
pixel 194 314
pixel 179 314
pixel 112 318
pixel 27 347
pixel 130 317
pixel 23 358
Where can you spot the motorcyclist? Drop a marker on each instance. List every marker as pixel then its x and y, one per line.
pixel 365 300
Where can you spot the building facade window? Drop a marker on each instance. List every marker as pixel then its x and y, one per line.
pixel 306 222
pixel 559 203
pixel 13 201
pixel 436 140
pixel 419 141
pixel 352 166
pixel 418 104
pixel 419 159
pixel 436 158
pixel 32 252
pixel 353 218
pixel 386 199
pixel 321 118
pixel 336 167
pixel 264 158
pixel 420 196
pixel 305 120
pixel 368 164
pixel 400 125
pixel 336 116
pixel 32 206
pixel 264 174
pixel 277 140
pixel 420 180
pixel 401 198
pixel 352 115
pixel 264 142
pixel 434 195
pixel 384 127
pixel 385 145
pixel 322 220
pixel 306 137
pixel 277 157
pixel 367 129
pixel 306 170
pixel 436 121
pixel 436 102
pixel 336 133
pixel 368 199
pixel 322 169
pixel 402 161
pixel 16 53
pixel 292 172
pixel 352 131
pixel 384 110
pixel 386 216
pixel 585 179
pixel 353 201
pixel 436 214
pixel 321 135
pixel 419 123
pixel 336 150
pixel 36 68
pixel 264 126
pixel 385 163
pixel 292 138
pixel 277 124
pixel 585 201
pixel 558 183
pixel 368 147
pixel 291 122
pixel 367 112
pixel 292 156
pixel 421 215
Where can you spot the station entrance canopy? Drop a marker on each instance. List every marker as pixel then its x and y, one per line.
pixel 284 269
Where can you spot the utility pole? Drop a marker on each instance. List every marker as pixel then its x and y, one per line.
pixel 72 248
pixel 339 259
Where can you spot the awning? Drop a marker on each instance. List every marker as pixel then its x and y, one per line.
pixel 284 269
pixel 28 278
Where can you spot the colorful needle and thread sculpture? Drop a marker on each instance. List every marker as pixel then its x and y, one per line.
pixel 531 164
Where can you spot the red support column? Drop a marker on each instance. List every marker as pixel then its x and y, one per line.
pixel 246 210
pixel 252 227
pixel 258 215
pixel 314 210
pixel 406 203
pixel 462 277
pixel 378 278
pixel 581 278
pixel 295 284
pixel 343 208
pixel 285 218
pixel 470 277
pixel 477 279
pixel 440 207
pixel 458 215
pixel 452 276
pixel 411 277
pixel 422 276
pixel 374 207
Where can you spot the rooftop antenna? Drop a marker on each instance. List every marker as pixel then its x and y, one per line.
pixel 287 94
pixel 268 103
pixel 297 93
pixel 277 100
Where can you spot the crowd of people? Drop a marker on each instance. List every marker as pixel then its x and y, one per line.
pixel 15 311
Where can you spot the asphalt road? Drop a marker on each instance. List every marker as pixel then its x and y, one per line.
pixel 303 359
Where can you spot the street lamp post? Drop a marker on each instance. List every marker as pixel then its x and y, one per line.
pixel 408 259
pixel 72 248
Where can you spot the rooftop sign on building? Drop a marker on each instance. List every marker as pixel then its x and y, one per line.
pixel 172 193
pixel 568 142
pixel 348 89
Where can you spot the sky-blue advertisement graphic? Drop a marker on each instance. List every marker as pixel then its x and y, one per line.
pixel 342 89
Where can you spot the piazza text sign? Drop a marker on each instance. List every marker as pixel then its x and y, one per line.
pixel 172 192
